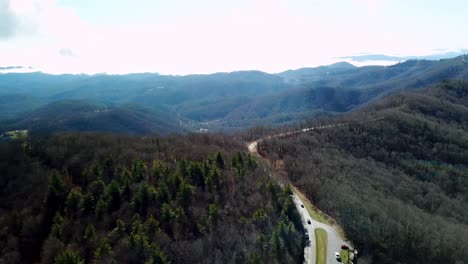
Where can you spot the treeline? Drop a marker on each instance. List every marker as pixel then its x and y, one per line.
pixel 397 185
pixel 103 198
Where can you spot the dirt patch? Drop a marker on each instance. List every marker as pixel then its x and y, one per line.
pixel 280 167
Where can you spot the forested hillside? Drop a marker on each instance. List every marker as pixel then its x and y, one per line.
pixel 103 198
pixel 80 115
pixel 395 178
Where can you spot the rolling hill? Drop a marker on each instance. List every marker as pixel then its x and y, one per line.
pixel 395 177
pixel 76 115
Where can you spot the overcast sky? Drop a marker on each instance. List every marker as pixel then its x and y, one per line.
pixel 181 37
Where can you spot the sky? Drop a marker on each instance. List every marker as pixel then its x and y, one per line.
pixel 205 36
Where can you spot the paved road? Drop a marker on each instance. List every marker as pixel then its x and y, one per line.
pixel 334 240
pixel 309 250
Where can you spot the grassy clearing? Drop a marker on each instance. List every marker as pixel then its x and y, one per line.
pixel 344 254
pixel 16 134
pixel 321 246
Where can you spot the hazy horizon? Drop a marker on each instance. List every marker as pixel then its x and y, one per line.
pixel 30 69
pixel 199 37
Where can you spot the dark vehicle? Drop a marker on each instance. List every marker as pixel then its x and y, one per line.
pixel 308 221
pixel 302 205
pixel 337 256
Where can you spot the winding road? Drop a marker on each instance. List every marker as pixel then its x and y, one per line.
pixel 334 240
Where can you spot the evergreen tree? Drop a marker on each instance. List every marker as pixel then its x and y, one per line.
pixel 151 227
pixel 57 226
pixel 103 253
pixel 68 257
pixel 101 208
pixel 87 205
pixel 96 188
pixel 184 194
pixel 138 169
pixel 57 192
pixel 220 160
pixel 158 171
pixel 108 169
pixel 74 201
pixel 113 194
pixel 142 199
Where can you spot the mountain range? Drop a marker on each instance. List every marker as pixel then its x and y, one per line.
pixel 216 102
pixel 378 152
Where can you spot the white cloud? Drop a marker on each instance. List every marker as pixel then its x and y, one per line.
pixel 7 20
pixel 18 18
pixel 66 52
pixel 229 38
pixel 269 35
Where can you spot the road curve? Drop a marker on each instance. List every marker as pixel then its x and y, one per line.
pixel 334 240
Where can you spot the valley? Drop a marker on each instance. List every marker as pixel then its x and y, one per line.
pixel 165 174
pixel 233 132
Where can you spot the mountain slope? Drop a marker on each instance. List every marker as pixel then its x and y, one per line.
pixel 396 177
pixel 329 91
pixel 321 71
pixel 74 115
pixel 13 105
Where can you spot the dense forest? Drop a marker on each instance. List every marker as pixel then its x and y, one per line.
pixel 393 173
pixel 394 176
pixel 104 198
pixel 82 115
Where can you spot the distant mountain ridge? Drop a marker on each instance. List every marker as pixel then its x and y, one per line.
pixel 383 57
pixel 229 101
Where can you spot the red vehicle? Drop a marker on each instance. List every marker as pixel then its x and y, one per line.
pixel 345 247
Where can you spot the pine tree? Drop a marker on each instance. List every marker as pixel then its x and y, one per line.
pixel 96 188
pixel 113 194
pixel 68 257
pixel 74 201
pixel 57 226
pixel 184 194
pixel 219 160
pixel 138 170
pixel 87 206
pixel 108 169
pixel 56 193
pixel 151 227
pixel 101 208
